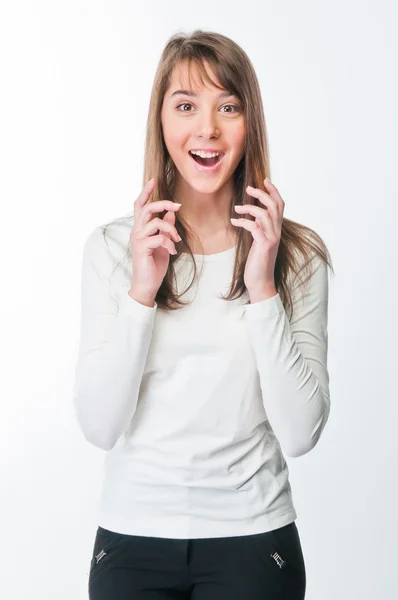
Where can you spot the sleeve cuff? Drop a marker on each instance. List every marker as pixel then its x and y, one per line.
pixel 127 305
pixel 271 307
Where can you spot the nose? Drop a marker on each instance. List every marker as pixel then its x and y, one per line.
pixel 207 125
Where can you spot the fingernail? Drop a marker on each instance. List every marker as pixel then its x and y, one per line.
pixel 177 204
pixel 150 181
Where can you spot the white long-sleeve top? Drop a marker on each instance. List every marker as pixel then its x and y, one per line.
pixel 194 406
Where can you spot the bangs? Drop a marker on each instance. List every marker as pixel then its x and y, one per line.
pixel 212 73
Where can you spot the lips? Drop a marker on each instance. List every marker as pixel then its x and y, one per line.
pixel 207 164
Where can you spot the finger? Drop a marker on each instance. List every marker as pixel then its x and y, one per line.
pixel 267 224
pixel 145 194
pixel 156 225
pixel 274 193
pixel 262 215
pixel 157 207
pixel 170 217
pixel 257 232
pixel 267 200
pixel 159 240
pixel 141 201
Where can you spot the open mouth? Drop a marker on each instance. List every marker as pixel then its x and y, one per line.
pixel 207 162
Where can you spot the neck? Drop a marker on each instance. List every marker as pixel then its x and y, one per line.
pixel 207 213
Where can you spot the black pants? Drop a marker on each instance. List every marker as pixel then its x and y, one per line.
pixel 264 566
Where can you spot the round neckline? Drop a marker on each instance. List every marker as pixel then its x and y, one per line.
pixel 209 257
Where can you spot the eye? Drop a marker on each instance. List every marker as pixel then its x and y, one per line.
pixel 189 104
pixel 233 106
pixel 184 104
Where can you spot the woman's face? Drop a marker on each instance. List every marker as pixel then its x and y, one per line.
pixel 211 119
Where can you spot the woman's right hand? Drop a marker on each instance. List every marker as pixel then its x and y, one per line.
pixel 151 250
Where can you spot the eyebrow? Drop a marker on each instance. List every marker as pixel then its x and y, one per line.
pixel 225 94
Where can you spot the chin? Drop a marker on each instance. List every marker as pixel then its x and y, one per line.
pixel 205 187
pixel 205 182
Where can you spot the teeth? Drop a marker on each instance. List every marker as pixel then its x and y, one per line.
pixel 205 154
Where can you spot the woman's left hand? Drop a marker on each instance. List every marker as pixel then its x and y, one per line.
pixel 266 231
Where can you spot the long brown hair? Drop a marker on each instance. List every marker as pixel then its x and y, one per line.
pixel 233 71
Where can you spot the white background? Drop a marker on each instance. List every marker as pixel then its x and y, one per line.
pixel 75 85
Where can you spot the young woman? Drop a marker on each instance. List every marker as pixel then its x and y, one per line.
pixel 195 382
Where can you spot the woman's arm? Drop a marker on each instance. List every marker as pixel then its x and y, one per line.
pixel 114 343
pixel 292 361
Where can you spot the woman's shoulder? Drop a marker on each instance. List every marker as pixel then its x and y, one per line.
pixel 107 244
pixel 110 238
